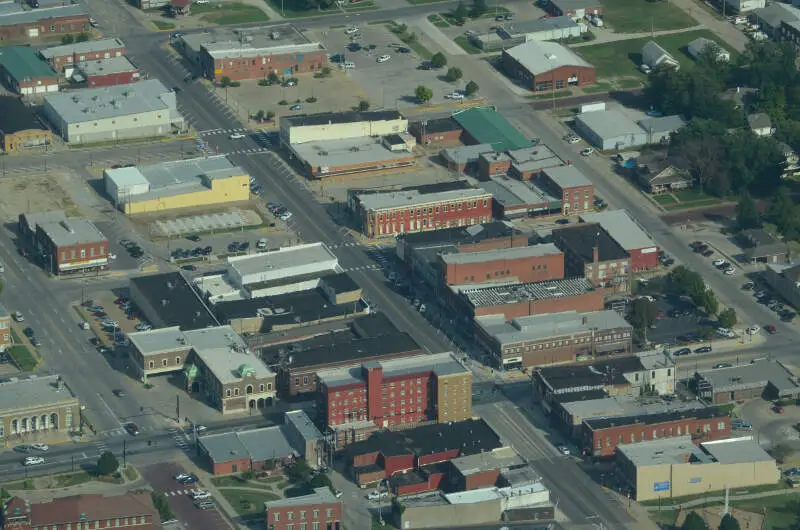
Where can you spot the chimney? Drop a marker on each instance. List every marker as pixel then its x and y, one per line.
pixel 596 249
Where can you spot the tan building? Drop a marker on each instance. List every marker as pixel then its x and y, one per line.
pixel 675 467
pixel 40 409
pixel 20 128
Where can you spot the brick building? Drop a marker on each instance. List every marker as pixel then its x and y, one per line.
pixel 60 57
pixel 130 510
pixel 524 264
pixel 589 251
pixel 601 436
pixel 20 128
pixel 541 64
pixel 767 379
pixel 109 72
pixel 571 186
pixel 441 131
pixel 26 73
pixel 394 393
pixel 320 510
pixel 482 470
pixel 552 338
pixel 475 238
pixel 630 236
pixel 574 8
pixel 64 246
pixel 21 24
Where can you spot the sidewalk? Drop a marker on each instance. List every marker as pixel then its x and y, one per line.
pixel 91 487
pixel 608 36
pixel 229 513
pixel 720 498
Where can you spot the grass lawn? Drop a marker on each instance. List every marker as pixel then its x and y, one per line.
pixel 597 88
pixel 270 480
pixel 21 485
pixel 164 26
pixel 248 502
pixel 23 358
pixel 229 14
pixel 131 473
pixel 550 95
pixel 692 194
pixel 467 46
pixel 664 200
pixel 622 58
pixel 695 204
pixel 73 479
pixel 418 2
pixel 410 41
pixel 229 481
pixel 634 16
pixel 629 83
pixel 489 14
pixel 298 9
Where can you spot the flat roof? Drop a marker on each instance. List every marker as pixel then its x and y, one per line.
pixel 534 158
pixel 320 496
pixel 566 176
pixel 79 48
pixel 264 444
pixel 539 25
pixel 512 253
pixel 736 451
pixel 645 416
pixel 551 325
pixel 32 391
pixel 670 451
pixel 662 124
pixel 570 5
pixel 18 17
pixel 350 116
pixel 283 259
pixel 23 63
pixel 564 379
pixel 487 126
pixel 70 232
pixel 511 192
pixel 753 375
pixel 77 106
pixel 340 283
pixel 303 424
pixel 436 125
pixel 441 364
pixel 500 458
pixel 609 123
pixel 465 154
pixel 412 198
pixel 539 57
pixel 460 235
pixel 620 225
pixel 517 292
pixel 17 116
pixel 582 239
pixel 333 154
pixel 175 302
pixel 231 363
pixel 158 341
pixel 112 65
pixel 240 42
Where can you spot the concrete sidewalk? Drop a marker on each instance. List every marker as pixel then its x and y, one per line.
pixel 720 498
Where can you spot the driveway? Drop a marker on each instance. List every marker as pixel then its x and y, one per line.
pixel 770 428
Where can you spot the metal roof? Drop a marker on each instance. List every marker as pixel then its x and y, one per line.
pixel 662 124
pixel 283 259
pixel 22 63
pixel 43 14
pixel 621 227
pixel 539 57
pixel 112 65
pixel 736 451
pixel 228 363
pixel 259 445
pixel 33 391
pixel 70 232
pixel 511 192
pixel 574 5
pixel 517 292
pixel 748 376
pixel 541 24
pixel 466 154
pixel 566 176
pixel 609 123
pixel 333 154
pixel 460 258
pixel 412 198
pixel 79 48
pixel 487 126
pixel 551 325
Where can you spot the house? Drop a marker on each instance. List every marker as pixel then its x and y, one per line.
pixel 760 123
pixel 20 128
pixel 654 56
pixel 26 73
pixel 657 174
pixel 703 45
pixel 762 247
pixel 547 66
pixel 791 164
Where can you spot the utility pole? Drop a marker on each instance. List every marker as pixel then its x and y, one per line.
pixel 124 454
pixel 178 408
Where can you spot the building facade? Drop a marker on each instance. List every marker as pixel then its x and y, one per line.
pixel 31 25
pixel 341 125
pixel 65 246
pixel 571 186
pixel 60 57
pixel 320 510
pixel 589 251
pixel 20 128
pixel 630 236
pixel 38 410
pixel 109 72
pixel 547 66
pixel 130 510
pixel 25 73
pixel 244 62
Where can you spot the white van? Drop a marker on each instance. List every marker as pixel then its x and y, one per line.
pixel 349 65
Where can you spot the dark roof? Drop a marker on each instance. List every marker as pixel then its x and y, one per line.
pixel 423 189
pixel 15 116
pixel 333 350
pixel 340 283
pixel 406 479
pixel 292 308
pixel 436 469
pixel 342 117
pixel 394 139
pixel 759 237
pixel 470 437
pixel 599 373
pixel 653 419
pixel 581 395
pixel 373 325
pixel 174 301
pixel 438 125
pixel 461 235
pixel 582 239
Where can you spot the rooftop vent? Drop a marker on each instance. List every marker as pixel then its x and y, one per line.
pixel 164 302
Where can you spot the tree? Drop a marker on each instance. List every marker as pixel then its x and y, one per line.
pixel 694 522
pixel 224 81
pixel 747 215
pixel 707 301
pixel 82 37
pixel 729 522
pixel 67 39
pixel 162 505
pixel 479 7
pixel 453 74
pixel 260 115
pixel 320 480
pixel 107 463
pixel 270 115
pixel 298 472
pixel 471 89
pixel 438 60
pixel 273 78
pixel 643 313
pixel 423 93
pixel 363 105
pixel 460 12
pixel 727 318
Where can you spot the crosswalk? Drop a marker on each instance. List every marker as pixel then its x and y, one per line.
pixel 212 132
pixel 340 245
pixel 363 268
pixel 177 493
pixel 101 446
pixel 251 151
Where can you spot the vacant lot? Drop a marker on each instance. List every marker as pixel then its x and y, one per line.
pixel 622 58
pixel 228 13
pixel 37 192
pixel 636 16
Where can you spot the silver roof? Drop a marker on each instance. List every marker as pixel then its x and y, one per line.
pixel 670 451
pixel 413 198
pixel 88 104
pixel 500 458
pixel 466 153
pixel 158 341
pixel 264 444
pixel 33 391
pixel 69 232
pixel 282 259
pixel 512 192
pixel 13 17
pixel 442 364
pixel 541 24
pixel 225 353
pixel 346 152
pixel 320 496
pixel 460 258
pixel 621 227
pixel 566 176
pixel 552 325
pixel 515 292
pixel 754 374
pixel 226 43
pixel 609 123
pixel 79 48
pixel 539 57
pixel 112 65
pixel 662 124
pixel 303 424
pixel 736 451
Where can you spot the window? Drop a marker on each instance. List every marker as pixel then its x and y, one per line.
pixel 235 391
pixel 163 362
pixel 305 379
pixel 177 360
pixel 303 515
pixel 151 364
pixel 290 516
pixel 261 388
pixel 228 393
pixel 277 517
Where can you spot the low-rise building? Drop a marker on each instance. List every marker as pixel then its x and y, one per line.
pixel 589 251
pixel 18 23
pixel 5 329
pixel 341 126
pixel 547 66
pixel 574 8
pixel 107 72
pixel 514 198
pixel 658 173
pixel 37 409
pixel 483 470
pixel 484 125
pixel 66 55
pixel 528 163
pixel 441 131
pixel 554 338
pixel 571 186
pixel 26 73
pixel 20 128
pixel 205 181
pixel 785 279
pixel 355 156
pixel 134 510
pixel 762 247
pixel 744 6
pixel 532 263
pixel 768 379
pixel 610 130
pixel 168 300
pixel 774 17
pixel 65 246
pixel 396 393
pixel 550 28
pixel 321 509
pixel 464 158
pixel 702 45
pixel 474 238
pixel 630 236
pixel 660 129
pixel 146 109
pixel 675 467
pixel 761 124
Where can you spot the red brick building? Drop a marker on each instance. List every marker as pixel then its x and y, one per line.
pixel 589 251
pixel 630 236
pixel 574 8
pixel 525 264
pixel 64 246
pixel 320 510
pixel 131 510
pixel 569 184
pixel 427 478
pixel 109 72
pixel 79 52
pixel 34 24
pixel 482 470
pixel 443 131
pixel 542 64
pixel 601 436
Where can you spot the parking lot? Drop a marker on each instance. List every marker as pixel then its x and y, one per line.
pixel 774 429
pixel 676 319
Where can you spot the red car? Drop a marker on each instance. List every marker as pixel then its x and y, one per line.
pixel 770 329
pixel 660 315
pixel 778 409
pixel 120 300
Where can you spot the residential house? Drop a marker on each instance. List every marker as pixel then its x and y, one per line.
pixel 761 124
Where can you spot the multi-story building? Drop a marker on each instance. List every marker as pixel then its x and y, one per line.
pixel 540 340
pixel 400 392
pixel 26 73
pixel 37 409
pixel 571 186
pixel 522 264
pixel 65 246
pixel 630 236
pixel 60 57
pixel 442 131
pixel 109 72
pixel 17 23
pixel 129 510
pixel 20 129
pixel 320 510
pixel 391 213
pixel 5 329
pixel 589 251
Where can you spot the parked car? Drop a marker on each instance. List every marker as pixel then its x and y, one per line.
pixel 753 330
pixel 719 262
pixel 703 349
pixel 18 317
pixel 377 495
pixel 770 329
pixel 33 460
pixel 681 351
pixel 722 365
pixel 725 332
pixel 40 447
pixel 587 151
pixel 778 409
pixel 28 332
pixel 132 429
pixel 563 449
pixel 296 107
pixel 384 58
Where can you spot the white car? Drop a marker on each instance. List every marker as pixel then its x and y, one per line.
pixel 377 495
pixel 236 136
pixel 262 244
pixel 719 262
pixel 588 151
pixel 725 332
pixel 201 2
pixel 730 272
pixel 753 330
pixel 455 95
pixel 200 494
pixel 286 216
pixel 384 58
pixel 40 447
pixel 645 69
pixel 92 22
pixel 18 317
pixel 33 460
pixel 2 268
pixel 351 31
pixel 563 449
pixel 647 297
pixel 573 139
pixel 141 326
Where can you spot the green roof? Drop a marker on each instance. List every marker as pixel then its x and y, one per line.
pixel 487 126
pixel 22 62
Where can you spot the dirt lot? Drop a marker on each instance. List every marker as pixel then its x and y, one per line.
pixel 36 192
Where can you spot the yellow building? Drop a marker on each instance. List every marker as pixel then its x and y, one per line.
pixel 38 409
pixel 177 184
pixel 675 467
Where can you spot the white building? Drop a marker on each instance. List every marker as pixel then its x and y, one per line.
pixel 146 109
pixel 701 44
pixel 655 56
pixel 610 129
pixel 341 125
pixel 743 6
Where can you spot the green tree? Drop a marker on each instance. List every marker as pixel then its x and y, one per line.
pixel 471 89
pixel 363 105
pixel 273 78
pixel 438 60
pixel 784 214
pixel 727 318
pixel 694 522
pixel 82 37
pixel 298 472
pixel 747 214
pixel 729 522
pixel 162 505
pixel 423 93
pixel 270 115
pixel 224 81
pixel 67 39
pixel 453 74
pixel 479 7
pixel 707 301
pixel 460 12
pixel 643 314
pixel 260 115
pixel 107 463
pixel 320 480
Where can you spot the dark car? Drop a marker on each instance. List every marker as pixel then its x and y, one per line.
pixel 233 247
pixel 94 341
pixel 562 221
pixel 244 246
pixel 132 429
pixel 425 65
pixel 354 47
pixel 191 479
pixel 403 49
pixel 36 342
pixel 207 250
pixel 28 332
pixel 708 253
pixel 682 351
pixel 189 268
pixel 193 238
pixel 703 349
pixel 118 392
